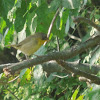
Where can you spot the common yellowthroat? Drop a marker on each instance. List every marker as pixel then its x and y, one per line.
pixel 31 44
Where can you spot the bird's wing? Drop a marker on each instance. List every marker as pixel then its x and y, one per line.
pixel 25 40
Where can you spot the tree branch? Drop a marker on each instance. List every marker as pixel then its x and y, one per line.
pixel 93 78
pixel 94 69
pixel 86 20
pixel 62 55
pixel 52 66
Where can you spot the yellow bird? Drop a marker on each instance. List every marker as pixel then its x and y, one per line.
pixel 31 44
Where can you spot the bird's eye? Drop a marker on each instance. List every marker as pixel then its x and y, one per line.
pixel 44 37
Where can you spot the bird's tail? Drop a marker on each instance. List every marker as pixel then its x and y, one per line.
pixel 12 45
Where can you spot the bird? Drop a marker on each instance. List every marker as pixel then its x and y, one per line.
pixel 31 43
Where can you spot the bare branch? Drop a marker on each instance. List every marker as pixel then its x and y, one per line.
pixel 62 55
pixel 74 37
pixel 86 20
pixel 93 78
pixel 79 31
pixel 85 67
pixel 52 22
pixel 14 79
pixel 52 66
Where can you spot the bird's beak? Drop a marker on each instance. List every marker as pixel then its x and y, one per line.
pixel 47 40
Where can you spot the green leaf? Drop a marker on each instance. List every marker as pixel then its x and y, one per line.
pixel 20 17
pixel 51 77
pixel 32 22
pixel 67 26
pixel 2 25
pixel 61 98
pixel 9 35
pixel 34 1
pixel 55 4
pixel 22 72
pixel 18 3
pixel 58 23
pixel 5 7
pixel 19 22
pixel 80 97
pixel 41 51
pixel 95 55
pixel 93 94
pixel 1 75
pixel 38 75
pixel 97 16
pixel 75 94
pixel 43 18
pixel 71 4
pixel 85 37
pixel 25 76
pixel 64 13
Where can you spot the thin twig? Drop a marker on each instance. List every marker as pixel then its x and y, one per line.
pixel 52 22
pixel 74 37
pixel 58 46
pixel 14 79
pixel 74 30
pixel 79 32
pixel 60 76
pixel 12 94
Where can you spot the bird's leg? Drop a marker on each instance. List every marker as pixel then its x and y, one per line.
pixel 35 55
pixel 27 57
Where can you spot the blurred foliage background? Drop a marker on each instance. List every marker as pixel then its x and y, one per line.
pixel 21 18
